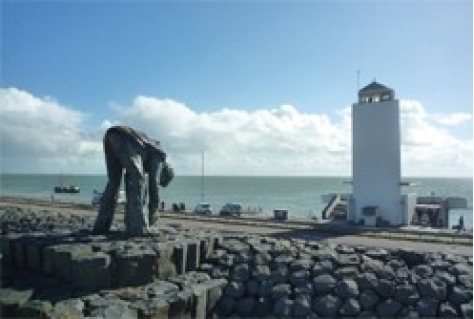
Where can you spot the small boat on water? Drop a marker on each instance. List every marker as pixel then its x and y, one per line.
pixel 71 189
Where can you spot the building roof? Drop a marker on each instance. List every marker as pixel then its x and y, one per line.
pixel 374 87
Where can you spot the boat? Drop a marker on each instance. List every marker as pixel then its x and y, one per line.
pixel 71 189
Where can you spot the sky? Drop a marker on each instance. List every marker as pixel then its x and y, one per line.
pixel 261 88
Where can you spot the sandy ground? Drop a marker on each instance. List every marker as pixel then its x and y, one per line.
pixel 31 204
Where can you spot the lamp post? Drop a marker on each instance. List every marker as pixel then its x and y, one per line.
pixel 202 176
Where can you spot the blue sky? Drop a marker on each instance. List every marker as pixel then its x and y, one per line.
pixel 97 58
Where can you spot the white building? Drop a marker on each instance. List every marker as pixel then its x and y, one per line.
pixel 376 198
pixel 376 172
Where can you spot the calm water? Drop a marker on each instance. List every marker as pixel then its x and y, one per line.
pixel 301 195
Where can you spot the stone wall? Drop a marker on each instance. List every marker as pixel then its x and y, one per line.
pixel 296 278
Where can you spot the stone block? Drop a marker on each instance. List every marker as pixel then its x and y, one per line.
pixel 115 310
pixel 283 308
pixel 35 253
pixel 53 257
pixel 327 306
pixel 13 297
pixel 20 252
pixel 215 290
pixel 68 308
pixel 189 280
pixel 134 267
pixel 20 248
pixel 155 308
pixel 226 305
pixel 161 289
pixel 217 240
pixel 91 271
pixel 164 264
pixel 181 305
pixel 235 289
pixel 35 309
pixel 466 310
pixel 179 257
pixel 162 309
pixel 193 256
pixel 207 247
pixel 35 257
pixel 199 301
pixel 8 247
pixel 48 259
pixel 62 259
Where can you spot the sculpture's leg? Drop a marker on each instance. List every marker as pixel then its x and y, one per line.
pixel 108 203
pixel 136 208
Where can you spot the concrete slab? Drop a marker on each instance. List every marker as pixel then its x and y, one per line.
pixel 91 271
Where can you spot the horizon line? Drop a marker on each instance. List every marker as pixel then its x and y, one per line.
pixel 236 176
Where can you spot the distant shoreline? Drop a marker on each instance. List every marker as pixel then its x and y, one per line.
pixel 239 176
pixel 260 220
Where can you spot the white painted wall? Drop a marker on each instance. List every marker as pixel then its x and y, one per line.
pixel 376 159
pixel 409 206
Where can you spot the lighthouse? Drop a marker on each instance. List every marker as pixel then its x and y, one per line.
pixel 376 180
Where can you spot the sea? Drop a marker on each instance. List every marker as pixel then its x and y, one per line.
pixel 301 196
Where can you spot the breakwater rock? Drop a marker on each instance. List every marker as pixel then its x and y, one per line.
pixel 296 278
pixel 52 267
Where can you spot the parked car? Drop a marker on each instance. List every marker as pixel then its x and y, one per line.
pixel 203 208
pixel 231 209
pixel 97 198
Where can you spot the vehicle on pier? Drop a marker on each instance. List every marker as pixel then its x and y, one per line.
pixel 231 209
pixel 97 198
pixel 203 209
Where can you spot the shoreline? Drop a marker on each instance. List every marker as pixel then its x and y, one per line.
pixel 301 196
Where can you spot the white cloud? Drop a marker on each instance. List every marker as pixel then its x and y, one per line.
pixel 452 119
pixel 284 141
pixel 280 141
pixel 431 149
pixel 40 134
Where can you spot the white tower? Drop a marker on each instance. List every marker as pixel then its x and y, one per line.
pixel 376 157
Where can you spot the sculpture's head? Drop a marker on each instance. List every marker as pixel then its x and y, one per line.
pixel 167 174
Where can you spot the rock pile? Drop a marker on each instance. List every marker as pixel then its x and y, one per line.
pixel 295 278
pixel 21 220
pixel 238 275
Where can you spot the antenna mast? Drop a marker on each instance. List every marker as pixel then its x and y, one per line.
pixel 358 80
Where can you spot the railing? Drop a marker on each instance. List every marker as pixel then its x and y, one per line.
pixel 331 205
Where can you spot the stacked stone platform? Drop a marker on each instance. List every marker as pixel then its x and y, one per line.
pixel 92 262
pixel 53 267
